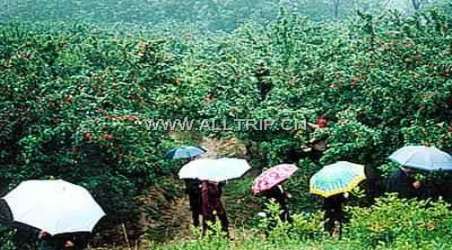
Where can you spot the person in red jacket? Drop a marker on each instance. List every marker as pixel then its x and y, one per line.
pixel 212 206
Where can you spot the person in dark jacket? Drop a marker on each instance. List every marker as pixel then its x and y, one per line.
pixel 193 190
pixel 69 241
pixel 24 236
pixel 48 242
pixel 212 206
pixel 403 182
pixel 279 196
pixel 334 214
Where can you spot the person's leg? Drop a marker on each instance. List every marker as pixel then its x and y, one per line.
pixel 335 221
pixel 285 216
pixel 206 220
pixel 272 223
pixel 221 213
pixel 195 217
pixel 204 226
pixel 224 223
pixel 195 207
pixel 336 230
pixel 329 224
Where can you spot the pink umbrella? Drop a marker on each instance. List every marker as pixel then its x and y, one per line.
pixel 273 177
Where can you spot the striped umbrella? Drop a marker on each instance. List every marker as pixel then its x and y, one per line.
pixel 336 178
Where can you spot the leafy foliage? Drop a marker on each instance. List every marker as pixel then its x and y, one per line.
pixel 389 224
pixel 71 106
pixel 394 223
pixel 76 99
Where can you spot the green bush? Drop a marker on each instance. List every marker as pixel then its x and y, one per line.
pixel 391 223
pixel 6 237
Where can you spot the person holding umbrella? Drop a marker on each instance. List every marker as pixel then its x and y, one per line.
pixel 193 190
pixel 70 241
pixel 334 213
pixel 420 158
pixel 58 212
pixel 192 186
pixel 402 181
pixel 48 242
pixel 268 184
pixel 212 172
pixel 333 182
pixel 212 207
pixel 278 195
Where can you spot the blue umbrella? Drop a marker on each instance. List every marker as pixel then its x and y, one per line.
pixel 185 152
pixel 422 157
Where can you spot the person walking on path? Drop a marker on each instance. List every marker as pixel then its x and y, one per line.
pixel 334 214
pixel 402 181
pixel 278 195
pixel 48 242
pixel 212 206
pixel 193 190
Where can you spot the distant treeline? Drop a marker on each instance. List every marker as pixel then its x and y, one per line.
pixel 214 15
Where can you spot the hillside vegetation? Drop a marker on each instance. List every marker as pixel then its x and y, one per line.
pixel 76 101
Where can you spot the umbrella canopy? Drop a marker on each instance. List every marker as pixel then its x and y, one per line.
pixel 272 177
pixel 336 178
pixel 424 158
pixel 185 152
pixel 55 206
pixel 6 217
pixel 214 169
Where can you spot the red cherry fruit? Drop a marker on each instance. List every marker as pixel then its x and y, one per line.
pixel 108 137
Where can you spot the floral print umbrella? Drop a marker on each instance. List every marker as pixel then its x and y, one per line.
pixel 273 177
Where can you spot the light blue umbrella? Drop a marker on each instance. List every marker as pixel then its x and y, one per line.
pixel 422 157
pixel 340 177
pixel 185 152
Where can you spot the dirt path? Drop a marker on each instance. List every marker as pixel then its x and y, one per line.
pixel 178 214
pixel 165 210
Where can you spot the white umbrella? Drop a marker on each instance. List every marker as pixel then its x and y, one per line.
pixel 214 169
pixel 55 206
pixel 421 157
